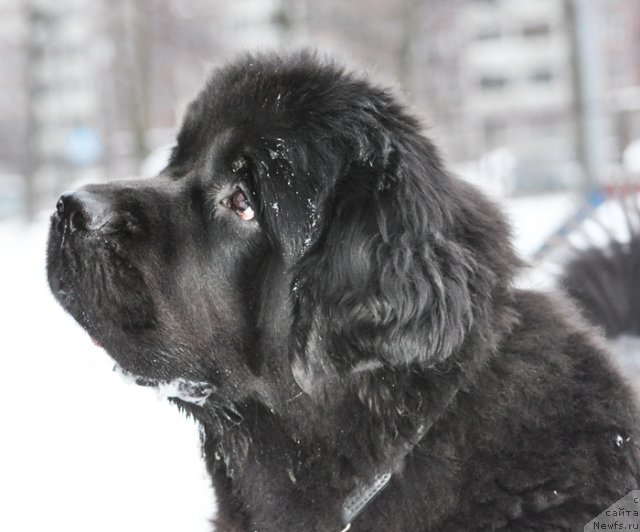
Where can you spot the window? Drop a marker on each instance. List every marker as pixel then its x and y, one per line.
pixel 494 129
pixel 541 76
pixel 536 30
pixel 488 34
pixel 493 82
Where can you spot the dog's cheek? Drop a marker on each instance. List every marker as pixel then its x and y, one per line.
pixel 111 291
pixel 126 297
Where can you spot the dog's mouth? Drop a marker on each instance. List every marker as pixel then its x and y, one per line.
pixel 193 392
pixel 106 332
pixel 95 342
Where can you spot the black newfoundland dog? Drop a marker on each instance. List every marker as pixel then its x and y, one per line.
pixel 337 311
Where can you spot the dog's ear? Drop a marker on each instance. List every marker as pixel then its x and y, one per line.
pixel 407 261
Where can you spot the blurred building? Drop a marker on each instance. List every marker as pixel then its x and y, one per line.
pixel 49 113
pixel 544 86
pixel 516 69
pixel 63 103
pixel 621 25
pixel 98 84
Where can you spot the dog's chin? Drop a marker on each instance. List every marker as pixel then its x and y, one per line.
pixel 179 389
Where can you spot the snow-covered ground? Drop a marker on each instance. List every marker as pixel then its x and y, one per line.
pixel 81 450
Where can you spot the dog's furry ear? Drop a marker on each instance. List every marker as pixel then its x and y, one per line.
pixel 407 262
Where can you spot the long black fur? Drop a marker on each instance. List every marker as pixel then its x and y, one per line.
pixel 364 322
pixel 605 280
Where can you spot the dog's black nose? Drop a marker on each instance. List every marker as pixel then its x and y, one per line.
pixel 81 211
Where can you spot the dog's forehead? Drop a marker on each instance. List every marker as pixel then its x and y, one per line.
pixel 262 90
pixel 220 120
pixel 274 100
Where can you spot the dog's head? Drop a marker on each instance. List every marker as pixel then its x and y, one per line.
pixel 303 229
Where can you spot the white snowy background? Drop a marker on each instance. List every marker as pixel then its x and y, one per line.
pixel 81 449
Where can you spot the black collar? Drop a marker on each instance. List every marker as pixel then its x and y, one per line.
pixel 359 498
pixel 362 496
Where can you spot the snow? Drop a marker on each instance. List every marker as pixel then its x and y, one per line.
pixel 80 449
pixel 535 218
pixel 626 348
pixel 186 390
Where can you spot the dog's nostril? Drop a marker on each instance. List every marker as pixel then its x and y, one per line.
pixel 81 211
pixel 77 220
pixel 70 209
pixel 60 207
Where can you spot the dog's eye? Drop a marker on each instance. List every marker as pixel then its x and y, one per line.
pixel 239 204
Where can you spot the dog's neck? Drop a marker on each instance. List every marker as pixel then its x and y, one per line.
pixel 364 494
pixel 338 464
pixel 315 456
